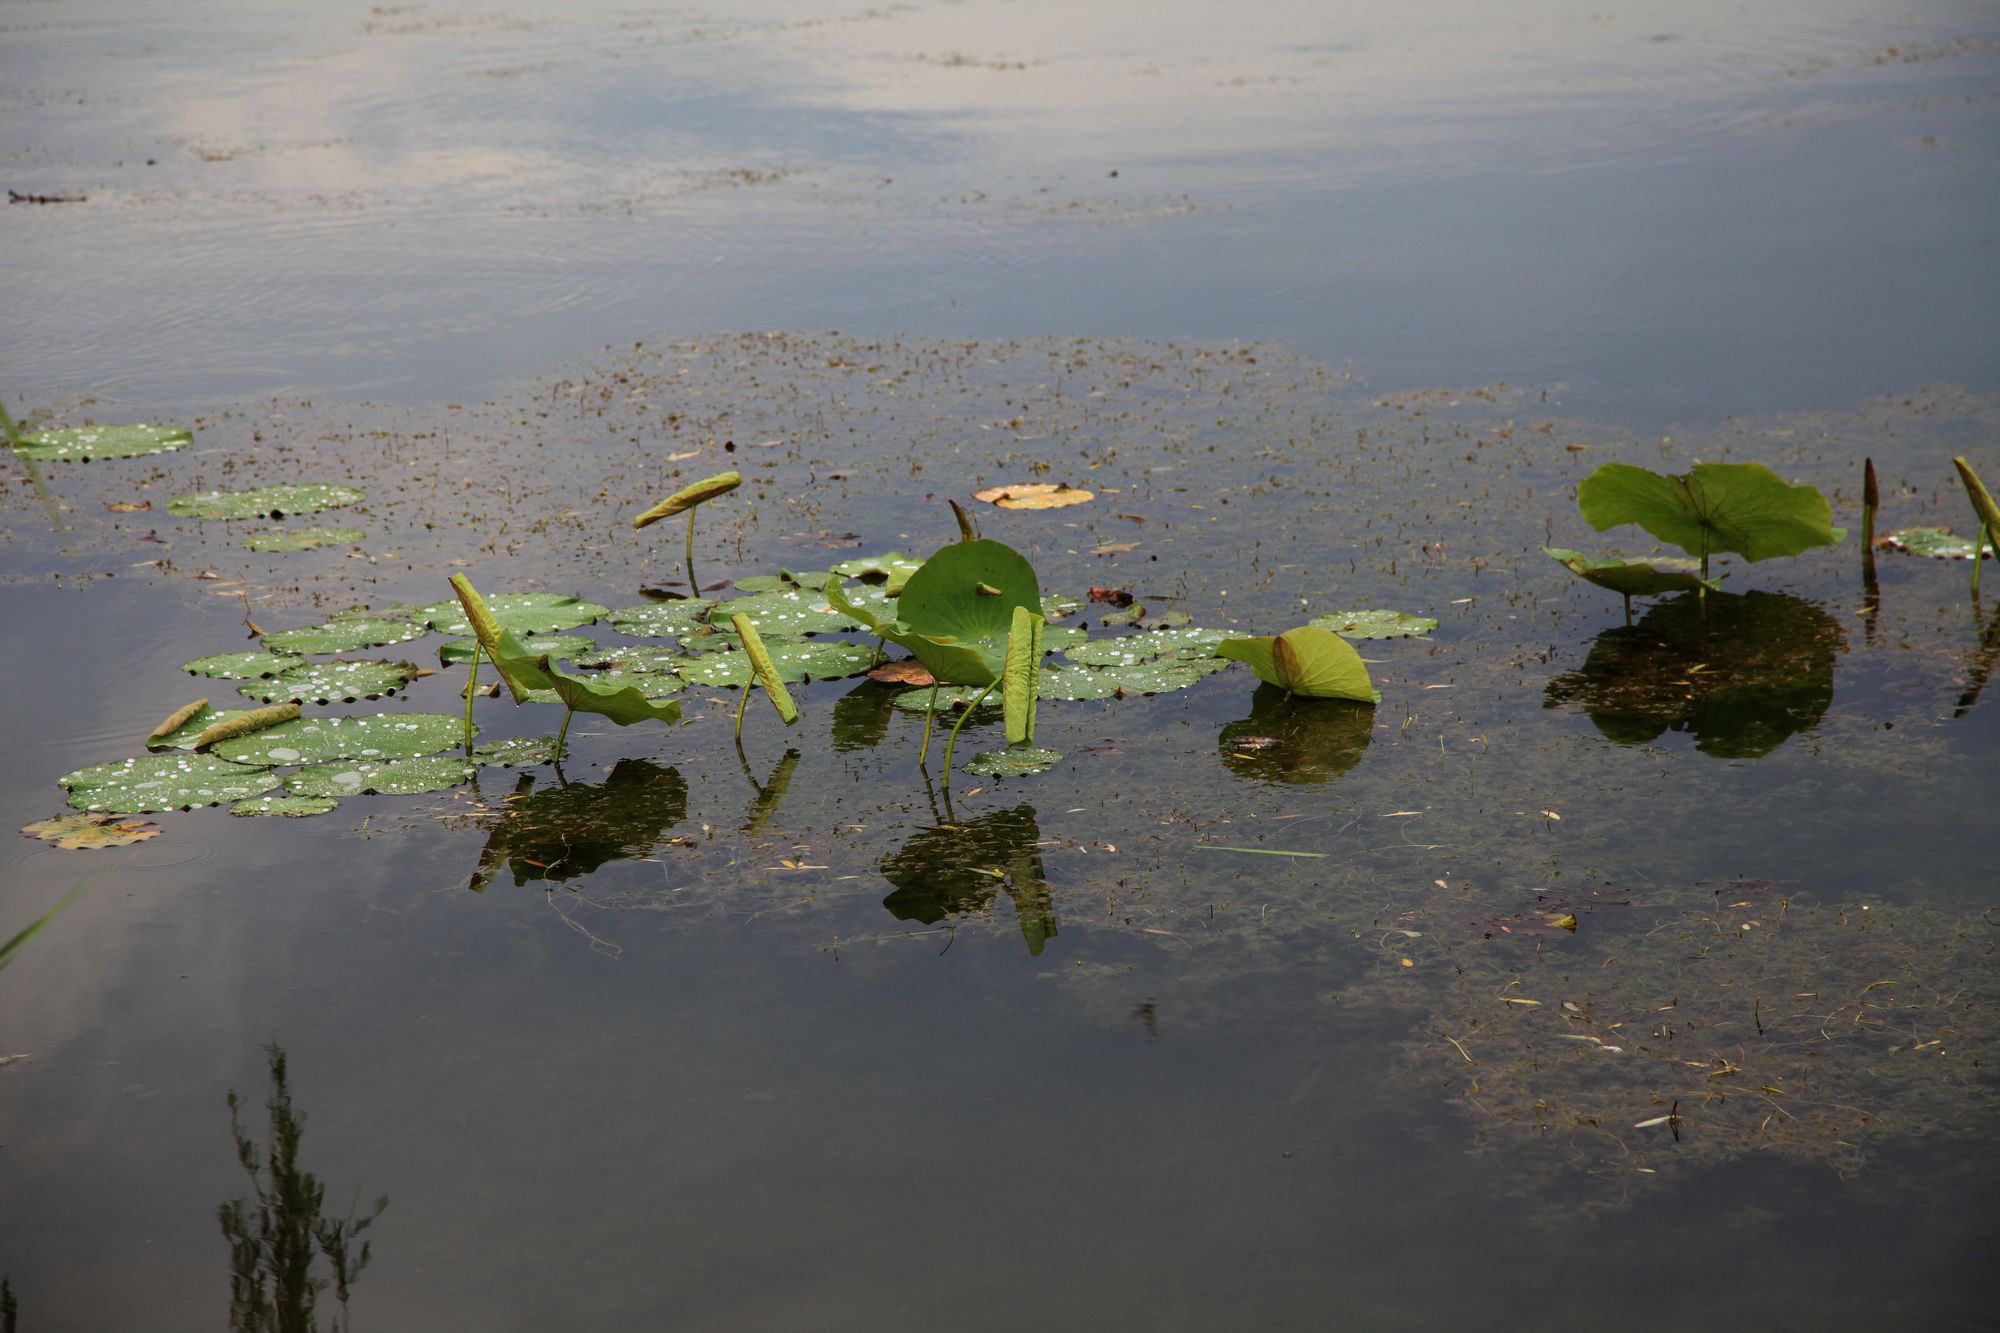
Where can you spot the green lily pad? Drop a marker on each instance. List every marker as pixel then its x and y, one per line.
pixel 163 782
pixel 1311 662
pixel 1055 638
pixel 266 501
pixel 652 684
pixel 1937 543
pixel 783 581
pixel 291 807
pixel 1013 763
pixel 1124 615
pixel 1633 578
pixel 344 635
pixel 661 620
pixel 624 657
pixel 787 614
pixel 1376 624
pixel 829 660
pixel 300 539
pixel 708 640
pixel 522 612
pixel 253 665
pixel 1161 675
pixel 84 443
pixel 948 698
pixel 1714 508
pixel 315 740
pixel 516 752
pixel 1055 606
pixel 562 647
pixel 892 570
pixel 1073 683
pixel 387 777
pixel 956 613
pixel 331 682
pixel 1172 619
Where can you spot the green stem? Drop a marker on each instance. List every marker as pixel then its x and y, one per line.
pixel 568 713
pixel 1986 538
pixel 471 688
pixel 952 739
pixel 694 584
pixel 49 505
pixel 925 753
pixel 742 704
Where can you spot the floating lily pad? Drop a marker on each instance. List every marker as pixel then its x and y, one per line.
pixel 265 501
pixel 299 539
pixel 622 657
pixel 1124 615
pixel 314 740
pixel 331 682
pixel 892 570
pixel 344 635
pixel 181 728
pixel 253 665
pixel 1073 683
pixel 1035 495
pixel 661 620
pixel 1375 624
pixel 782 581
pixel 948 697
pixel 652 684
pixel 708 640
pixel 1937 543
pixel 522 612
pixel 293 807
pixel 1161 675
pixel 1055 638
pixel 785 614
pixel 1055 606
pixel 1013 763
pixel 163 782
pixel 794 661
pixel 390 777
pixel 516 752
pixel 90 832
pixel 83 443
pixel 561 647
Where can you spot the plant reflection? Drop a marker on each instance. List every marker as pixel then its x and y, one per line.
pixel 1741 678
pixel 771 793
pixel 861 716
pixel 562 832
pixel 956 868
pixel 1979 665
pixel 1299 741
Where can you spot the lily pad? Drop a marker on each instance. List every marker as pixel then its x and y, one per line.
pixel 1741 508
pixel 652 684
pixel 661 620
pixel 1376 624
pixel 90 832
pixel 1035 495
pixel 265 501
pixel 948 697
pixel 344 635
pixel 619 657
pixel 516 752
pixel 1013 763
pixel 389 777
pixel 562 647
pixel 788 614
pixel 163 782
pixel 1937 543
pixel 1131 649
pixel 1308 661
pixel 1055 638
pixel 522 612
pixel 1124 615
pixel 253 665
pixel 1073 683
pixel 892 570
pixel 1056 605
pixel 300 539
pixel 315 740
pixel 83 443
pixel 783 580
pixel 331 682
pixel 1160 676
pixel 292 807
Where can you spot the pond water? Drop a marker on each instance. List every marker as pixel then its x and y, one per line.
pixel 1609 970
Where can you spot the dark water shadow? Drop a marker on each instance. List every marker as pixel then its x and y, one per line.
pixel 568 830
pixel 956 868
pixel 1296 741
pixel 861 716
pixel 1740 674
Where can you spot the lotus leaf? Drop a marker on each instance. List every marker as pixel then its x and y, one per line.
pixel 1020 672
pixel 1161 675
pixel 784 615
pixel 1055 638
pixel 1632 578
pixel 383 777
pixel 948 696
pixel 252 665
pixel 634 658
pixel 245 724
pixel 708 640
pixel 522 612
pixel 90 832
pixel 1073 683
pixel 1375 624
pixel 163 782
pixel 1124 615
pixel 316 740
pixel 652 684
pixel 88 442
pixel 272 501
pixel 516 752
pixel 1034 495
pixel 560 647
pixel 1742 508
pixel 1172 620
pixel 176 731
pixel 291 807
pixel 1013 763
pixel 300 539
pixel 1937 543
pixel 330 682
pixel 782 580
pixel 1308 661
pixel 765 672
pixel 661 620
pixel 687 497
pixel 1056 605
pixel 1983 503
pixel 794 662
pixel 622 704
pixel 1295 741
pixel 344 635
pixel 893 569
pixel 1131 649
pixel 956 612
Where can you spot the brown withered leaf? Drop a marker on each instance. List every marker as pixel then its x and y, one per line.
pixel 127 506
pixel 87 832
pixel 1115 596
pixel 905 671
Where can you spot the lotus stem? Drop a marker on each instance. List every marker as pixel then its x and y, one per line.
pixel 1987 537
pixel 471 689
pixel 930 712
pixel 568 713
pixel 694 584
pixel 742 704
pixel 952 739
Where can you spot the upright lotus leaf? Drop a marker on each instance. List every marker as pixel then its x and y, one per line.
pixel 1983 505
pixel 766 674
pixel 1631 578
pixel 1020 677
pixel 622 704
pixel 1308 661
pixel 1739 508
pixel 521 670
pixel 956 612
pixel 690 498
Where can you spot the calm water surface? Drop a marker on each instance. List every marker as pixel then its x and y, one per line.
pixel 786 1042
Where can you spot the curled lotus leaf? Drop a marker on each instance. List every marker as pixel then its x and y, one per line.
pixel 188 719
pixel 516 752
pixel 331 682
pixel 1632 578
pixel 252 665
pixel 238 725
pixel 661 620
pixel 163 782
pixel 265 501
pixel 785 614
pixel 83 443
pixel 562 647
pixel 687 497
pixel 1983 503
pixel 1034 495
pixel 1311 662
pixel 90 832
pixel 344 635
pixel 383 777
pixel 1376 624
pixel 315 740
pixel 1017 762
pixel 299 539
pixel 290 807
pixel 1937 543
pixel 522 612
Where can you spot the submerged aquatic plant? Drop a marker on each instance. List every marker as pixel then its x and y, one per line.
pixel 687 499
pixel 1712 509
